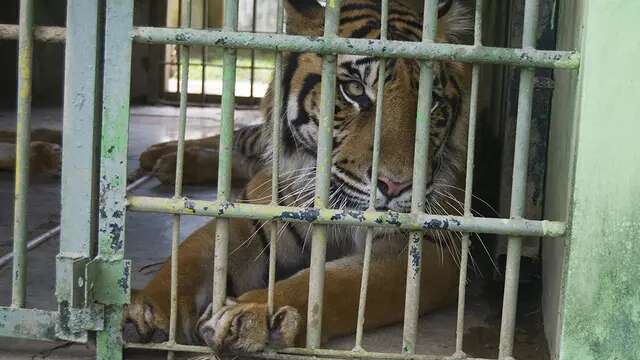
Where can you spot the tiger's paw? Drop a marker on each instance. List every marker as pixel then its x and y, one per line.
pixel 149 158
pixel 199 167
pixel 246 327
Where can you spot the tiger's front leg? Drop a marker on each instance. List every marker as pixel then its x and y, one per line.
pixel 201 158
pixel 246 326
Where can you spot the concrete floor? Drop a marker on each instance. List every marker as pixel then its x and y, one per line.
pixel 151 125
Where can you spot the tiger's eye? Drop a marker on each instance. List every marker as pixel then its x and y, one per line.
pixel 354 89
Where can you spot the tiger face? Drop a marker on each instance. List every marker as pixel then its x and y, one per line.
pixel 356 98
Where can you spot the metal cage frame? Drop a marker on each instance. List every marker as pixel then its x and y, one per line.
pixel 93 278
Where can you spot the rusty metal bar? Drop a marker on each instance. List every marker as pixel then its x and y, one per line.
pixel 519 184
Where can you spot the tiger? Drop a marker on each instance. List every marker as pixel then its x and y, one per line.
pixel 244 323
pixel 45 152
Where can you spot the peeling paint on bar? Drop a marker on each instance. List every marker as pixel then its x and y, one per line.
pixel 28 324
pixel 377 48
pixel 283 42
pixel 323 174
pixel 419 222
pixel 297 353
pixel 519 184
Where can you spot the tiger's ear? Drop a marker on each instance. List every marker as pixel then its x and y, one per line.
pixel 305 17
pixel 455 22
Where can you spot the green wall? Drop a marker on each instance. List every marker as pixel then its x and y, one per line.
pixel 594 175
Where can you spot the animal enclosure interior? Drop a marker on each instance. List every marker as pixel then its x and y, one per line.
pixel 154 118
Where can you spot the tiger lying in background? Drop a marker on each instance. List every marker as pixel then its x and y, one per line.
pixel 45 153
pixel 244 323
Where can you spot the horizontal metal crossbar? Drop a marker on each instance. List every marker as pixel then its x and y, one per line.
pixel 52 34
pixel 282 42
pixel 28 323
pixel 295 353
pixel 368 47
pixel 421 222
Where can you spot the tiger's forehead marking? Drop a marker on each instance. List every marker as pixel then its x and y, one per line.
pixel 363 67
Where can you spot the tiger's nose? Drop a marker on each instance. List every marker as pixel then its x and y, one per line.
pixel 392 188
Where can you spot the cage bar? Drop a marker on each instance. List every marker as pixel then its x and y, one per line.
pixel 47 34
pixel 297 353
pixel 468 192
pixel 375 162
pixel 419 189
pixel 323 173
pixel 113 169
pixel 365 47
pixel 224 165
pixel 275 158
pixel 23 139
pixel 185 56
pixel 518 188
pixel 417 222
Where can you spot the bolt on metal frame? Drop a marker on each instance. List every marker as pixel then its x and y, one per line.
pixel 92 289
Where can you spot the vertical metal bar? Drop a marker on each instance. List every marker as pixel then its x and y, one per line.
pixel 113 164
pixel 275 140
pixel 81 128
pixel 468 192
pixel 185 57
pixel 253 52
pixel 518 187
pixel 205 25
pixel 79 166
pixel 323 173
pixel 375 162
pixel 176 61
pixel 418 196
pixel 23 139
pixel 226 148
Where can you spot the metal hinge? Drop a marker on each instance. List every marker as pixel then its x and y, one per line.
pixel 83 287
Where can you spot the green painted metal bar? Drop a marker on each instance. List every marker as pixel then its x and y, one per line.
pixel 225 157
pixel 419 189
pixel 468 192
pixel 416 222
pixel 80 133
pixel 47 34
pixel 519 183
pixel 464 53
pixel 297 353
pixel 185 56
pixel 365 47
pixel 23 139
pixel 375 163
pixel 323 174
pixel 275 157
pixel 28 324
pixel 113 175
